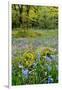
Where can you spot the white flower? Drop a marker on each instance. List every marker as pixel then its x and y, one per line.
pixel 20 66
pixel 45 73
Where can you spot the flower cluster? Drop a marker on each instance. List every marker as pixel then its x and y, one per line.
pixel 28 58
pixel 50 79
pixel 25 72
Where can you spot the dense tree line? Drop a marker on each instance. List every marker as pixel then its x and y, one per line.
pixel 28 16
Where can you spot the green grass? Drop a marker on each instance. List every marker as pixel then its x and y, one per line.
pixel 25 33
pixel 25 47
pixel 18 33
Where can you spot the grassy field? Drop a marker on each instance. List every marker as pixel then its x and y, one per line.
pixel 34 56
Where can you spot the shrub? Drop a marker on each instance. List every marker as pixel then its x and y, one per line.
pixel 28 58
pixel 46 50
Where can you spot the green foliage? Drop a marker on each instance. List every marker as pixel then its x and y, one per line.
pixel 25 33
pixel 34 61
pixel 39 70
pixel 47 50
pixel 26 16
pixel 15 18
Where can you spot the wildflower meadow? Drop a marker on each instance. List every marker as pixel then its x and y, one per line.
pixel 34 44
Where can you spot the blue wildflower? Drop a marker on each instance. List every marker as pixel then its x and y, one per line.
pixel 50 79
pixel 38 57
pixel 25 72
pixel 53 57
pixel 49 68
pixel 48 58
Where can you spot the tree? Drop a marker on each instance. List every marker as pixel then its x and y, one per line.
pixel 28 16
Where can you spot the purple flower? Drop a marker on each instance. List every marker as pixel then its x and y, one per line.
pixel 25 72
pixel 50 80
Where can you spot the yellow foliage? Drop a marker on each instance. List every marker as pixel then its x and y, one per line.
pixel 28 58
